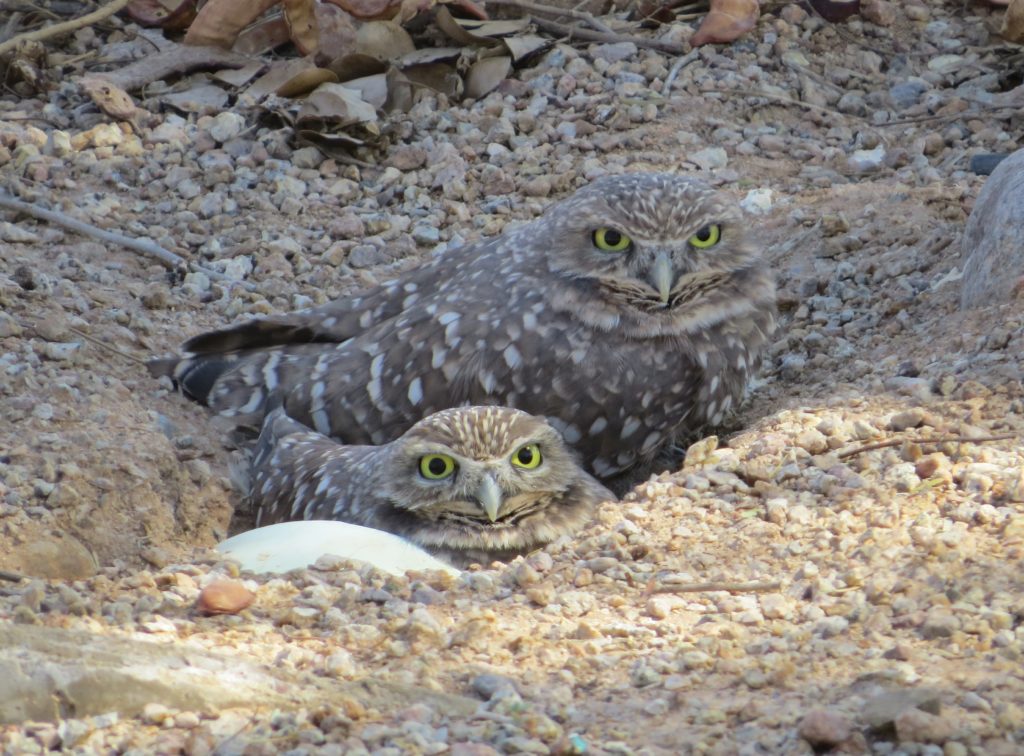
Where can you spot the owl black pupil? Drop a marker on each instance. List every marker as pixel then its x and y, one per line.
pixel 612 238
pixel 526 456
pixel 704 234
pixel 437 466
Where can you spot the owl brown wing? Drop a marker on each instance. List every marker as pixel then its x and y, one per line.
pixel 297 474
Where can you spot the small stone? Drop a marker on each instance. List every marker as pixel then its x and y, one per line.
pixel 541 595
pixel 910 418
pixel 878 12
pixel 226 126
pixel 224 597
pixel 932 464
pixel 939 623
pixel 487 685
pixel 823 728
pixel 616 51
pixel 710 158
pixel 757 201
pixel 916 726
pixel 881 711
pixel 812 441
pixel 864 161
pixel 155 713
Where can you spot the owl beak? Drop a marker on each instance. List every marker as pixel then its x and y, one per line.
pixel 662 276
pixel 490 497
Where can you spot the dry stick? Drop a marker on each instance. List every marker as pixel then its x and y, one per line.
pixel 532 7
pixel 104 345
pixel 63 28
pixel 678 66
pixel 752 587
pixel 595 36
pixel 940 440
pixel 145 246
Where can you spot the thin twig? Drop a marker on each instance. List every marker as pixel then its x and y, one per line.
pixel 752 587
pixel 889 443
pixel 532 7
pixel 595 36
pixel 678 66
pixel 777 98
pixel 145 246
pixel 63 28
pixel 104 345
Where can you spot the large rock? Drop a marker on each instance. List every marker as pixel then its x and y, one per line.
pixel 993 241
pixel 49 673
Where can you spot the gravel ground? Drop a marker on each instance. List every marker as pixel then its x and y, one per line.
pixel 868 582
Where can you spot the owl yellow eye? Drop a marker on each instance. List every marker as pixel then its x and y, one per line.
pixel 706 237
pixel 436 466
pixel 528 457
pixel 611 240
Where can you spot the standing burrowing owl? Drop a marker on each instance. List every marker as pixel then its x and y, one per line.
pixel 630 314
pixel 466 484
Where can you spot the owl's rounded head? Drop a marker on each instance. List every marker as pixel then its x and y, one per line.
pixel 654 253
pixel 487 477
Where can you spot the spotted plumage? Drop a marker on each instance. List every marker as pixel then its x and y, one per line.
pixel 470 484
pixel 630 314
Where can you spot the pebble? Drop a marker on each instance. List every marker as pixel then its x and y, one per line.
pixel 709 158
pixel 823 728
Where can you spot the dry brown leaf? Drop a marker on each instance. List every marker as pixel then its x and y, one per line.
pixel 369 9
pixel 440 77
pixel 305 82
pixel 356 66
pixel 1013 22
pixel 280 72
pixel 219 22
pixel 835 10
pixel 301 18
pixel 336 104
pixel 524 45
pixel 263 36
pixel 337 30
pixel 384 40
pixel 727 20
pixel 109 98
pixel 173 15
pixel 486 74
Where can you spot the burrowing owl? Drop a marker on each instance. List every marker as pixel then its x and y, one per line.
pixel 467 484
pixel 630 314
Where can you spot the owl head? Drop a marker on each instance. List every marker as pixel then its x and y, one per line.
pixel 654 253
pixel 490 478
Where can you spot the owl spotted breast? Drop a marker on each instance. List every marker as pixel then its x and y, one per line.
pixel 470 484
pixel 630 314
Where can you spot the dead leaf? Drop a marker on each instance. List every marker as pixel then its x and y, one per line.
pixel 523 46
pixel 835 10
pixel 201 99
pixel 1013 22
pixel 239 77
pixel 219 22
pixel 384 40
pixel 429 55
pixel 280 72
pixel 172 15
pixel 726 21
pixel 472 32
pixel 440 77
pixel 335 104
pixel 305 82
pixel 109 98
pixel 301 18
pixel 486 74
pixel 356 66
pixel 337 30
pixel 373 89
pixel 263 36
pixel 369 9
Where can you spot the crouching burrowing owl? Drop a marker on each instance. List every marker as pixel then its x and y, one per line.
pixel 630 314
pixel 470 484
